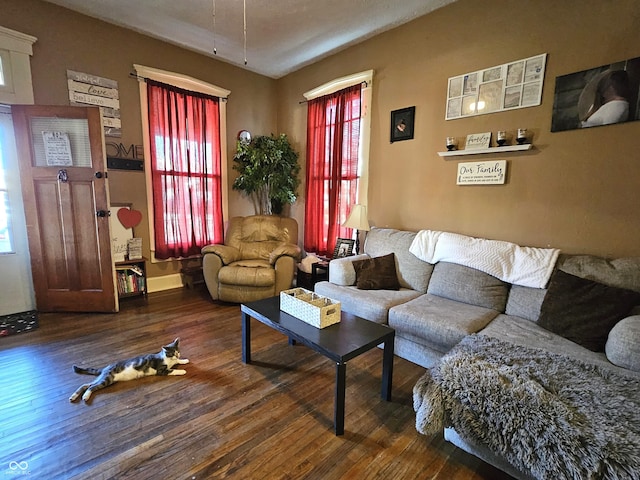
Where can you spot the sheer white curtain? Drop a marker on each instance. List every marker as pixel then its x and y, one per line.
pixel 16 284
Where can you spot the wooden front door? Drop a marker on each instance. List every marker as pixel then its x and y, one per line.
pixel 66 200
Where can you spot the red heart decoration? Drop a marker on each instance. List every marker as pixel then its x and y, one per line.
pixel 129 217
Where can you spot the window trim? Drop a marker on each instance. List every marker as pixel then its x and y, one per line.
pixel 195 85
pixel 340 83
pixel 16 50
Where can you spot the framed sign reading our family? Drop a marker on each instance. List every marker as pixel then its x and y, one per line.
pixel 504 87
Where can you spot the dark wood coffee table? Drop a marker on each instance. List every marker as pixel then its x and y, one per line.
pixel 340 342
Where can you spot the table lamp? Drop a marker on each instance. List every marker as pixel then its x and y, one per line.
pixel 357 219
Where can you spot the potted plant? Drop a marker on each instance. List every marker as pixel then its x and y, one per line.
pixel 269 169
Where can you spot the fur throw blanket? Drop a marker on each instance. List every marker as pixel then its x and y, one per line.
pixel 548 415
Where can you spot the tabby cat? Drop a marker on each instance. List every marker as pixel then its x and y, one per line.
pixel 152 364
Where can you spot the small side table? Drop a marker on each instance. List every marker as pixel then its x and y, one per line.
pixel 192 275
pixel 319 272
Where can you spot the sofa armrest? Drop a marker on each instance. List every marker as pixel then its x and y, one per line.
pixel 285 267
pixel 227 253
pixel 285 249
pixel 341 271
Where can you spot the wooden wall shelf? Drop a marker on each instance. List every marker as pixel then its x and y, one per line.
pixel 479 151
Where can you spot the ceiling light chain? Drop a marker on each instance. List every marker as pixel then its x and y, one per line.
pixel 215 51
pixel 245 30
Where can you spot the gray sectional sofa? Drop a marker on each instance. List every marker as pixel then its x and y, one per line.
pixel 437 306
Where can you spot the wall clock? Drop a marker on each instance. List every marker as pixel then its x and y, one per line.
pixel 244 136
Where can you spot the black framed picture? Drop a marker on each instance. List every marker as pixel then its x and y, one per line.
pixel 605 95
pixel 402 124
pixel 344 248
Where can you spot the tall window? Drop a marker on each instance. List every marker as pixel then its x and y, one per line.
pixel 184 137
pixel 333 141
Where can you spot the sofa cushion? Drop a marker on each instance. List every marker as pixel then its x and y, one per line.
pixel 248 273
pixel 378 273
pixel 525 302
pixel 412 272
pixel 623 343
pixel 584 311
pixel 441 321
pixel 529 334
pixel 257 236
pixel 371 305
pixel 620 272
pixel 468 285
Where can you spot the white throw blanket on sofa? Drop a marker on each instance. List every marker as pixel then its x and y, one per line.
pixel 526 266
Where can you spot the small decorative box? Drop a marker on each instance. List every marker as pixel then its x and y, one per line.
pixel 310 307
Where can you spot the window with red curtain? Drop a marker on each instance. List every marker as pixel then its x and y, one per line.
pixel 186 173
pixel 333 139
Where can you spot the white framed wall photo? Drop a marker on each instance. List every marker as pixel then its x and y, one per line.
pixel 509 86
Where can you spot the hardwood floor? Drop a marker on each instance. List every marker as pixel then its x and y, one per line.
pixel 272 419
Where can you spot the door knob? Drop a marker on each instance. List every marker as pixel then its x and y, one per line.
pixel 102 213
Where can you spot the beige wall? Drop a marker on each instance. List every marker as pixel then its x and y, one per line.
pixel 577 190
pixel 67 40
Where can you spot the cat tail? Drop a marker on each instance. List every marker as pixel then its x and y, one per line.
pixel 86 371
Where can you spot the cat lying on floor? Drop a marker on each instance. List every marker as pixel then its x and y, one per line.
pixel 152 364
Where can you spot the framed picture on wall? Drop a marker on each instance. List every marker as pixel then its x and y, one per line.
pixel 517 84
pixel 402 124
pixel 605 95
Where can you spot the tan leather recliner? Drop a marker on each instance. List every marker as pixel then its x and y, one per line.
pixel 257 260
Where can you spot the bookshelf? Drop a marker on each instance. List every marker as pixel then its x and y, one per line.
pixel 131 278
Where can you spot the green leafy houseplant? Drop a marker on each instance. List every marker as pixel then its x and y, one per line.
pixel 269 169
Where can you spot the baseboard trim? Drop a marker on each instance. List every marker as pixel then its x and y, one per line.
pixel 166 282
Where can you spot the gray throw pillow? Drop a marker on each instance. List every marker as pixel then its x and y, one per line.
pixel 623 344
pixel 378 273
pixel 584 311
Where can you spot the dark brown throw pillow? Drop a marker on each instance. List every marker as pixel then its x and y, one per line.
pixel 584 311
pixel 378 273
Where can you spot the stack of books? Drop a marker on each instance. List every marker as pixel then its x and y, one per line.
pixel 130 279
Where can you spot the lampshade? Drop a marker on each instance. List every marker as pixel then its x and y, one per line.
pixel 358 218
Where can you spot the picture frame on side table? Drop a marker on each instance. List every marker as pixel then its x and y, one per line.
pixel 344 248
pixel 402 124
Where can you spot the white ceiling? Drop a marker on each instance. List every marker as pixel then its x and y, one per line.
pixel 282 35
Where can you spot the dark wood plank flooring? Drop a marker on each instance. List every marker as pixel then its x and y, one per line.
pixel 272 419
